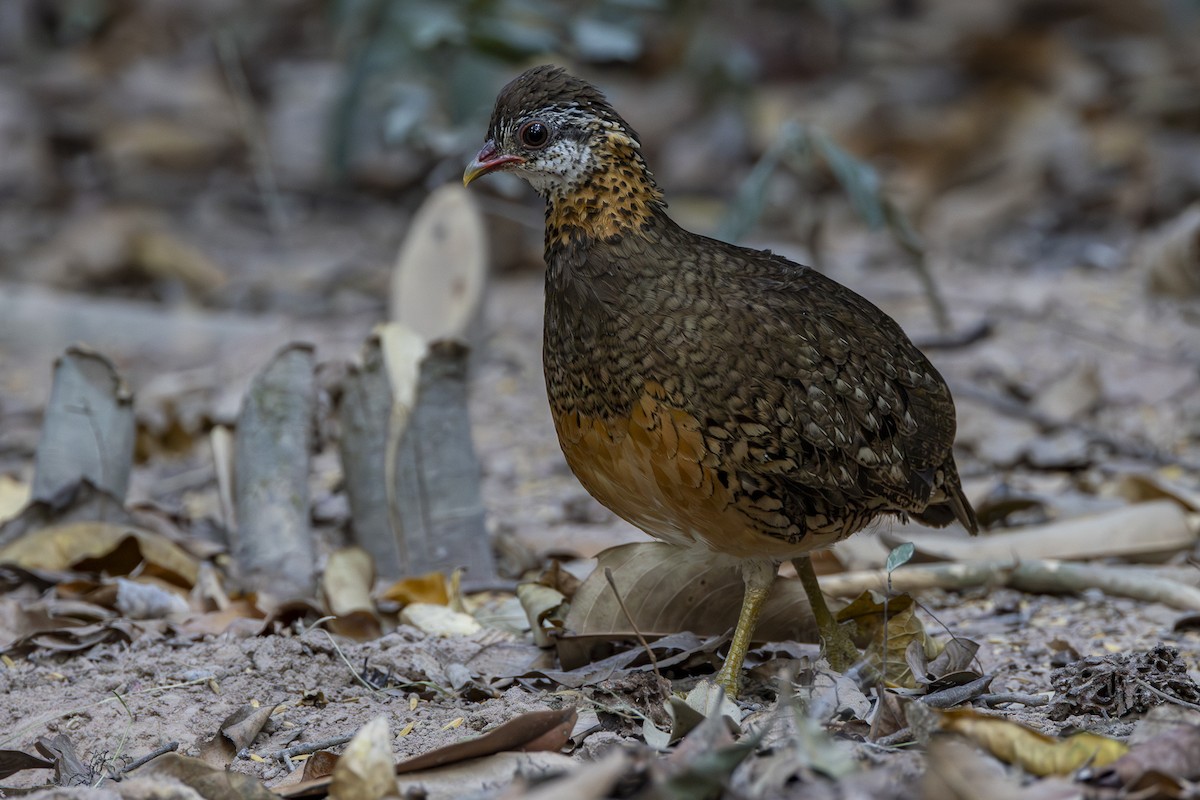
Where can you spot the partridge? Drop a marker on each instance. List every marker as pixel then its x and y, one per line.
pixel 715 396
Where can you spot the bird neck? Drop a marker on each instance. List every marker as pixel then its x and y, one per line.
pixel 618 197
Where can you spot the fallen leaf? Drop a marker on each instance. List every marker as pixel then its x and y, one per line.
pixel 209 782
pixel 14 761
pixel 102 547
pixel 1034 752
pixel 665 593
pixel 1175 754
pixel 346 585
pixel 544 608
pixel 235 733
pixel 532 731
pixel 365 769
pixel 903 627
pixel 427 588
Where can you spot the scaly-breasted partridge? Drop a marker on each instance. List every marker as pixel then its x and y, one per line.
pixel 714 396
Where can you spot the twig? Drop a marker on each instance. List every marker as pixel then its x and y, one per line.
pixel 994 699
pixel 948 698
pixel 1040 576
pixel 169 747
pixel 1169 698
pixel 629 617
pixel 311 747
pixel 954 340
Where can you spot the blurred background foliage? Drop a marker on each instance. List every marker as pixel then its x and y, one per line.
pixel 1047 132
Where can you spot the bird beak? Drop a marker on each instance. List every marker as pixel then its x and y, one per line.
pixel 486 161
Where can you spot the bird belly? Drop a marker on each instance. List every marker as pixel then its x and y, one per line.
pixel 652 469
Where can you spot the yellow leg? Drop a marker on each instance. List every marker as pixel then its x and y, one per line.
pixel 758 576
pixel 839 649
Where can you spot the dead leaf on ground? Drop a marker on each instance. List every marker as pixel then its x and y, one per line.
pixel 234 734
pixel 544 607
pixel 704 701
pixel 903 629
pixel 365 769
pixel 955 770
pixel 14 494
pixel 1174 754
pixel 346 585
pixel 427 588
pixel 14 761
pixel 1034 752
pixel 535 731
pixel 102 547
pixel 208 781
pixel 666 592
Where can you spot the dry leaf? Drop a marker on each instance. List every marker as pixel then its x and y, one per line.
pixel 209 782
pixel 427 588
pixel 544 608
pixel 14 761
pixel 535 730
pixel 1175 754
pixel 346 585
pixel 102 547
pixel 365 769
pixel 439 620
pixel 903 628
pixel 13 496
pixel 666 592
pixel 1034 752
pixel 236 732
pixel 440 274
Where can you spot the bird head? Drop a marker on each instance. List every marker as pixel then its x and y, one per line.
pixel 555 131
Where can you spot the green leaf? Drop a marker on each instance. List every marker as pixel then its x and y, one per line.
pixel 900 556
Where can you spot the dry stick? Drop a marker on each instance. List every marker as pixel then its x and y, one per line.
pixel 1000 698
pixel 312 747
pixel 169 747
pixel 1043 575
pixel 629 617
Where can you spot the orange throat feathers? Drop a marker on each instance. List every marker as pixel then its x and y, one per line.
pixel 620 196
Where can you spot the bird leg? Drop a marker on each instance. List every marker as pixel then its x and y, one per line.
pixel 758 575
pixel 839 649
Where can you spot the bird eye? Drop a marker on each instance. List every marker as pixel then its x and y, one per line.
pixel 534 134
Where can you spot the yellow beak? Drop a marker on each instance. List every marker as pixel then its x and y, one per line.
pixel 487 160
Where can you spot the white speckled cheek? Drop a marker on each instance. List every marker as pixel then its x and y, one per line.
pixel 560 166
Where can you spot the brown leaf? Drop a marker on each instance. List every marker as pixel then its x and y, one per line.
pixel 536 730
pixel 14 761
pixel 1034 752
pixel 1175 754
pixel 427 588
pixel 211 783
pixel 346 585
pixel 667 593
pixel 102 547
pixel 236 732
pixel 365 770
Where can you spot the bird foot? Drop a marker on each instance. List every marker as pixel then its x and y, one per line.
pixel 840 651
pixel 729 680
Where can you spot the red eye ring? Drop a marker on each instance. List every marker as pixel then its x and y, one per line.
pixel 534 134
